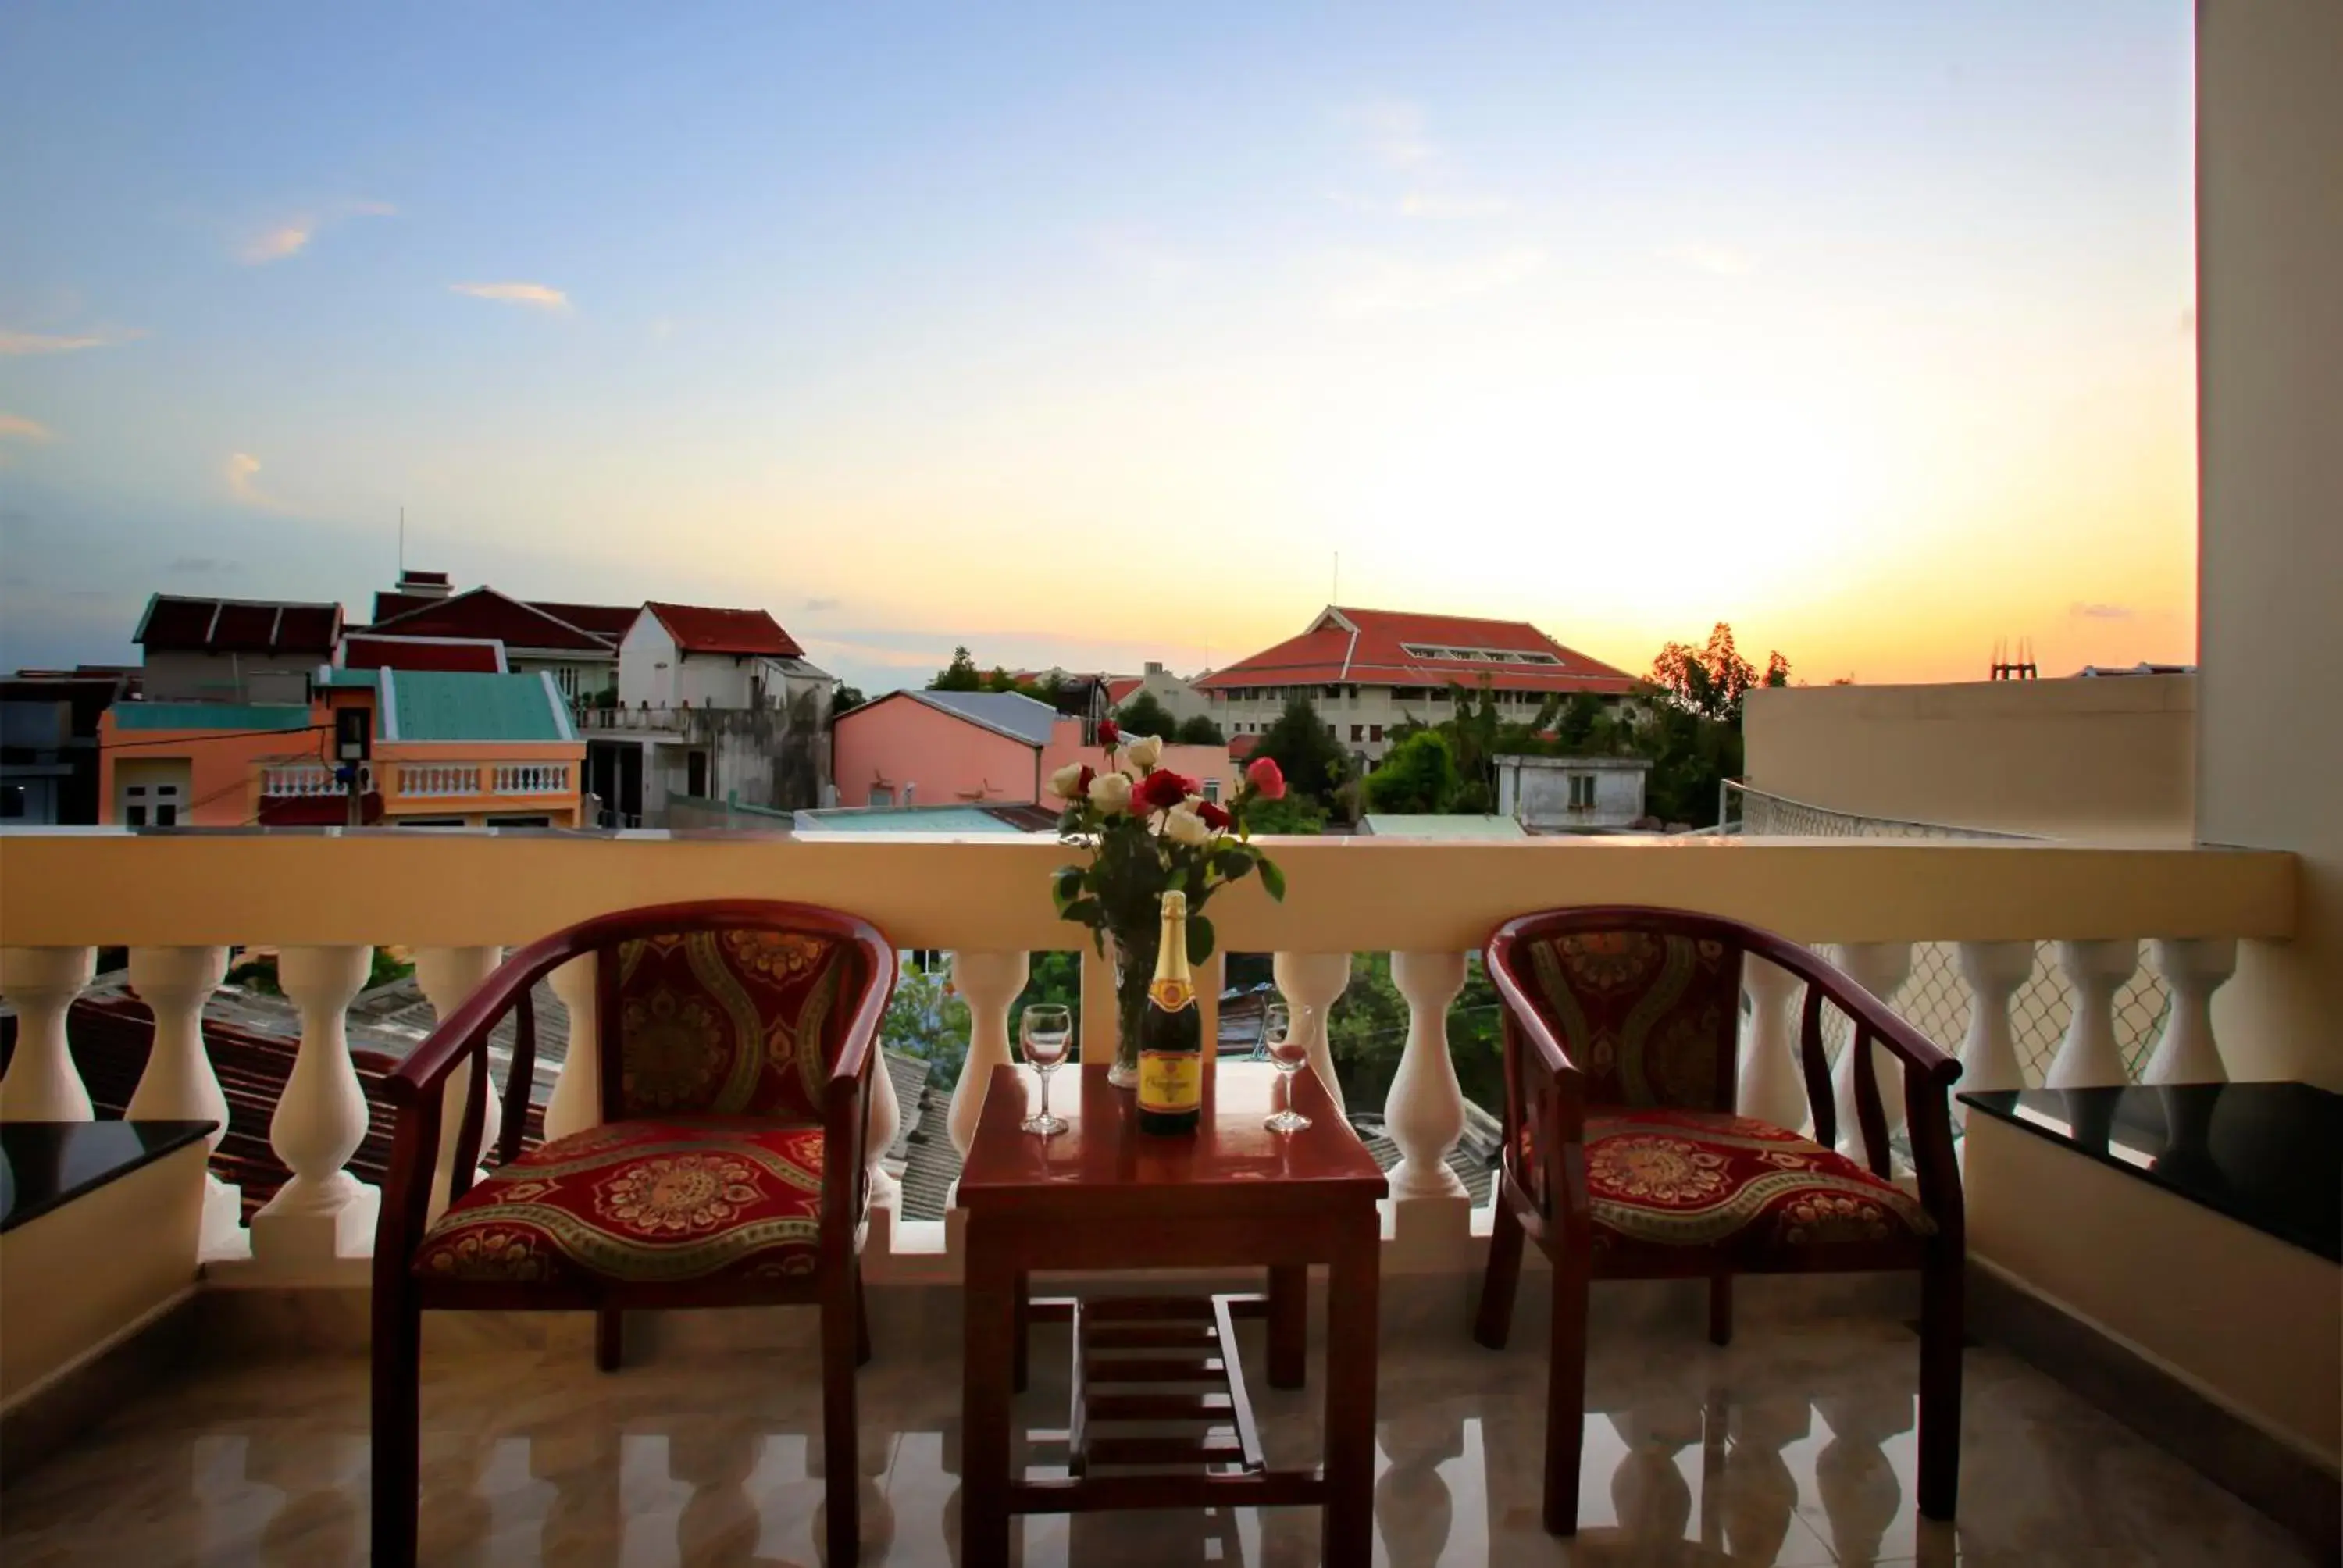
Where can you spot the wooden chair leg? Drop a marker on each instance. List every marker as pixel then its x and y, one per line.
pixel 397 1460
pixel 1495 1318
pixel 609 1337
pixel 841 1456
pixel 1566 1396
pixel 1720 1309
pixel 1941 1330
pixel 861 1319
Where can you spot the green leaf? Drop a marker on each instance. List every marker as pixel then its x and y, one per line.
pixel 1087 911
pixel 1067 886
pixel 1176 880
pixel 1200 938
pixel 1273 879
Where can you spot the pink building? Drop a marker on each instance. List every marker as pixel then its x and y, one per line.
pixel 972 748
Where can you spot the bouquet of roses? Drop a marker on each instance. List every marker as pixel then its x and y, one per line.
pixel 1148 831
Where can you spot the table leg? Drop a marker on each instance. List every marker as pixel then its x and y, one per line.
pixel 1023 1330
pixel 1351 1339
pixel 1288 1325
pixel 990 1292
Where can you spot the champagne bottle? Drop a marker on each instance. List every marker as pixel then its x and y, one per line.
pixel 1172 1034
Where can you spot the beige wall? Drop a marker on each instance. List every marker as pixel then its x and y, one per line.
pixel 2070 758
pixel 2252 1323
pixel 2269 256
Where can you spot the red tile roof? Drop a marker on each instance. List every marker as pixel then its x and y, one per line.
pixel 370 650
pixel 486 613
pixel 611 621
pixel 697 629
pixel 1241 746
pixel 1391 648
pixel 1120 687
pixel 176 625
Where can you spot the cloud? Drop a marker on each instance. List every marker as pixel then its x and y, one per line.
pixel 16 427
pixel 242 470
pixel 291 236
pixel 536 296
pixel 1718 260
pixel 816 606
pixel 61 342
pixel 1391 131
pixel 2082 611
pixel 1380 285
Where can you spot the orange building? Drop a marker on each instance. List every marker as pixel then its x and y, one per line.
pixel 445 749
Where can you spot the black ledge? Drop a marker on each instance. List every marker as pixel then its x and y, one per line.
pixel 2268 1155
pixel 45 1165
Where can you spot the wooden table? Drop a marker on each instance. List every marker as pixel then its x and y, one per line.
pixel 1105 1196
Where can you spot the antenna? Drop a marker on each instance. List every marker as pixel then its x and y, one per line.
pixel 402 541
pixel 1336 596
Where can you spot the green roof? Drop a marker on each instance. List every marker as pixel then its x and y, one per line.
pixel 336 676
pixel 1395 825
pixel 270 716
pixel 444 705
pixel 905 820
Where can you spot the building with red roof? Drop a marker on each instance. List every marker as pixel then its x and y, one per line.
pixel 1368 670
pixel 378 650
pixel 577 645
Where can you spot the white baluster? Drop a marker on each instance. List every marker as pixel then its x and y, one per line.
pixel 1881 969
pixel 886 1120
pixel 576 1102
pixel 1310 983
pixel 179 1084
pixel 2088 1056
pixel 1771 1087
pixel 1424 1112
pixel 322 1212
pixel 43 1084
pixel 988 983
pixel 448 976
pixel 2192 969
pixel 1993 972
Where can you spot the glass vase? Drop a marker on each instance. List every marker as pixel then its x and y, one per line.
pixel 1134 953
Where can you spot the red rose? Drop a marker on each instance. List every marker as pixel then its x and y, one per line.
pixel 1163 789
pixel 1108 732
pixel 1082 784
pixel 1215 816
pixel 1267 778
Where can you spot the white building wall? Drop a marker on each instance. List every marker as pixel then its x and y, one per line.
pixel 1362 716
pixel 1536 792
pixel 647 664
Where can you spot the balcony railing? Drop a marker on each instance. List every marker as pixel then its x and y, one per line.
pixel 304 780
pixel 177 902
pixel 532 779
pixel 437 778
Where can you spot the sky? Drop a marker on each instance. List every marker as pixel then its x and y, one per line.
pixel 1082 337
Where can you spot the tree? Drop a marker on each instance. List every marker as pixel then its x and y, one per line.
pixel 1367 1031
pixel 1142 714
pixel 845 698
pixel 1711 681
pixel 1201 731
pixel 1419 775
pixel 960 675
pixel 1312 762
pixel 925 1020
pixel 1294 814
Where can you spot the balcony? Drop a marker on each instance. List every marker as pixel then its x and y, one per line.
pixel 1794 1445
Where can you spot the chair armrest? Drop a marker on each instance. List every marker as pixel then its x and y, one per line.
pixel 428 1065
pixel 1915 1051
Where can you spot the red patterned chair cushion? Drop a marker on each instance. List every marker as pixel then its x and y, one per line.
pixel 1648 1018
pixel 1751 1190
pixel 639 1202
pixel 728 1024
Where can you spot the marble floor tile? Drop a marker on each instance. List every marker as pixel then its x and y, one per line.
pixel 1795 1447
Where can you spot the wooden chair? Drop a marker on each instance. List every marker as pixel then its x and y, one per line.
pixel 736 1043
pixel 1623 1157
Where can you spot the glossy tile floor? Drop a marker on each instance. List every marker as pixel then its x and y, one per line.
pixel 1794 1447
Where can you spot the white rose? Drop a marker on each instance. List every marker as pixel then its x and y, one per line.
pixel 1143 752
pixel 1066 783
pixel 1111 793
pixel 1182 825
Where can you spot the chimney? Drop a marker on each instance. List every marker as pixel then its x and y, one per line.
pixel 425 584
pixel 1154 667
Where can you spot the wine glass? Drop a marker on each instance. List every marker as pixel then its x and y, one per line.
pixel 1287 1049
pixel 1046 1031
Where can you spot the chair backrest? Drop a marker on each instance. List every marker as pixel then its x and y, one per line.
pixel 1644 1003
pixel 729 1010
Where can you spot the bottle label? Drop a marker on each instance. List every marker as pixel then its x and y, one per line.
pixel 1171 995
pixel 1170 1081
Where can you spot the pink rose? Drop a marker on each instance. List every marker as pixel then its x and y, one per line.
pixel 1268 780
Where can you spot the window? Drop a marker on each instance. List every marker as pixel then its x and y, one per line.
pixel 1374 732
pixel 1329 732
pixel 1582 791
pixel 151 805
pixel 1212 789
pixel 12 803
pixel 1331 690
pixel 883 795
pixel 695 774
pixel 1358 731
pixel 1439 694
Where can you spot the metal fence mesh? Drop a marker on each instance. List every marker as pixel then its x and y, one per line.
pixel 1935 1000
